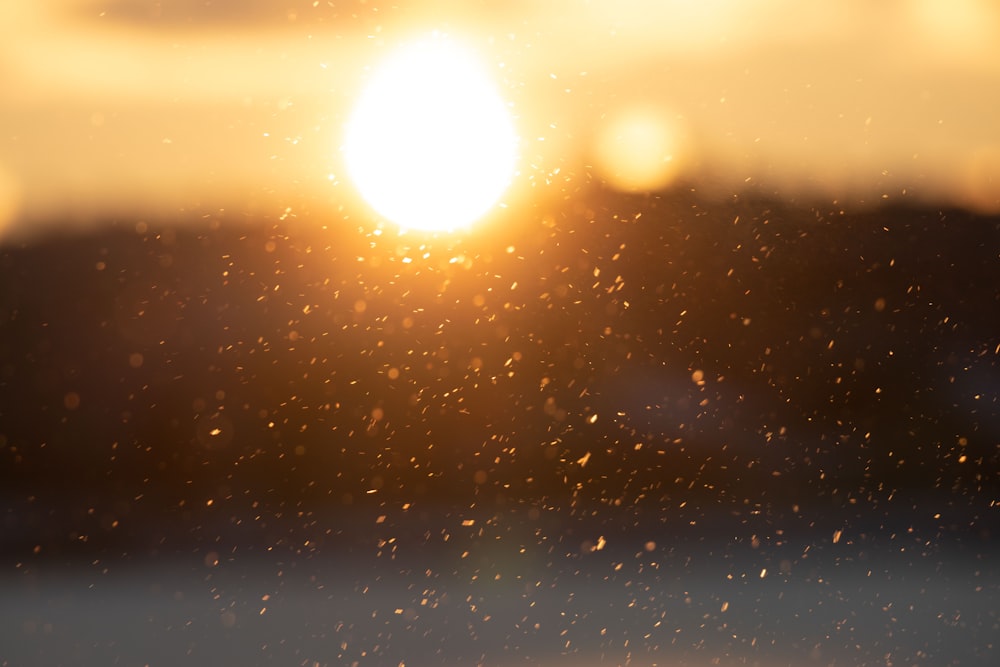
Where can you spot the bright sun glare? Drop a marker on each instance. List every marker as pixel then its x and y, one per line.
pixel 430 144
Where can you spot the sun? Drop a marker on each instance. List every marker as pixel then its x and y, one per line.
pixel 430 144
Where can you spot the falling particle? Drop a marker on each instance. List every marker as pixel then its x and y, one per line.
pixel 135 360
pixel 698 376
pixel 763 573
pixel 725 606
pixel 650 546
pixel 879 305
pixel 836 535
pixel 583 460
pixel 468 522
pixel 215 432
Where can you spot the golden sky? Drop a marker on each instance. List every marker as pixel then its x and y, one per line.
pixel 173 109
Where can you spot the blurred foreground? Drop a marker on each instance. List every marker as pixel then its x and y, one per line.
pixel 511 601
pixel 634 430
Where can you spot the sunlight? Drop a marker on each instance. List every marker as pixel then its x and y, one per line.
pixel 430 144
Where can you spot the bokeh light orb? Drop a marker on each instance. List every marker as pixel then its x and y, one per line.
pixel 638 149
pixel 431 144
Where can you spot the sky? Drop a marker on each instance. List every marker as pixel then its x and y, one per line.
pixel 157 108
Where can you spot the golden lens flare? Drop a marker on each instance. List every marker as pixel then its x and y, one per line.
pixel 431 145
pixel 638 149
